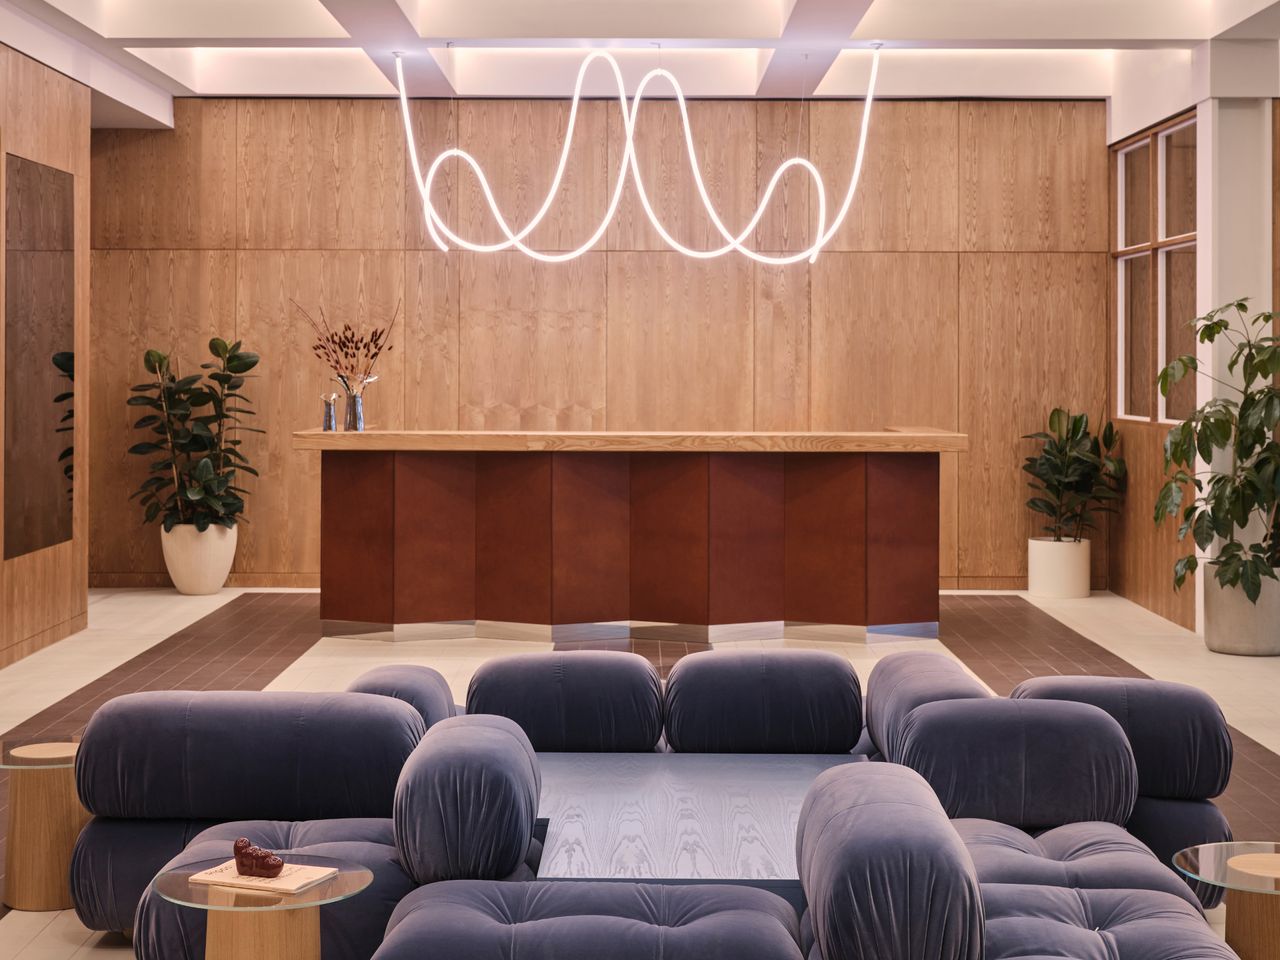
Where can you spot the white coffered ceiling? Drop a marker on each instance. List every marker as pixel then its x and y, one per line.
pixel 738 48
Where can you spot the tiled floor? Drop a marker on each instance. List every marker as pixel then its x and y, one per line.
pixel 156 640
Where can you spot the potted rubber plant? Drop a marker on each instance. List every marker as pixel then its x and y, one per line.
pixel 1226 453
pixel 1073 477
pixel 193 483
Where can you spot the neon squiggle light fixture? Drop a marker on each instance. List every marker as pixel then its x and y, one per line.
pixel 443 235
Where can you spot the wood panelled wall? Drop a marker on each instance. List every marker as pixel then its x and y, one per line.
pixel 967 290
pixel 44 116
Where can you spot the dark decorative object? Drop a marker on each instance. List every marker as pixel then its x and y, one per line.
pixel 65 361
pixel 253 861
pixel 351 356
pixel 196 420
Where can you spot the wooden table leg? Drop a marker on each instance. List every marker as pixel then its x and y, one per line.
pixel 263 934
pixel 45 818
pixel 1253 924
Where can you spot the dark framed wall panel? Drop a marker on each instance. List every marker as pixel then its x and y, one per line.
pixel 590 538
pixel 746 515
pixel 513 537
pixel 435 537
pixel 826 538
pixel 902 538
pixel 670 537
pixel 357 536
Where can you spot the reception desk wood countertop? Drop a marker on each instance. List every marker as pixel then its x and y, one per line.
pixel 893 440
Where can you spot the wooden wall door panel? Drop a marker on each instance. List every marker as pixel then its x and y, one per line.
pixel 1029 326
pixel 746 555
pixel 1034 175
pixel 320 175
pixel 780 303
pixel 825 545
pixel 909 177
pixel 356 286
pixel 358 533
pixel 590 537
pixel 782 132
pixel 171 300
pixel 161 189
pixel 435 537
pixel 680 343
pixel 1142 554
pixel 430 345
pixel 902 539
pixel 435 129
pixel 513 537
pixel 670 546
pixel 532 343
pixel 724 136
pixel 518 144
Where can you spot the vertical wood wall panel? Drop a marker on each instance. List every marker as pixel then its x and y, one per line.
pixel 44 116
pixel 633 336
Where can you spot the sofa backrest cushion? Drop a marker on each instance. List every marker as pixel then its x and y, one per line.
pixel 901 682
pixel 1180 739
pixel 239 755
pixel 467 801
pixel 885 874
pixel 424 689
pixel 579 701
pixel 763 701
pixel 1028 763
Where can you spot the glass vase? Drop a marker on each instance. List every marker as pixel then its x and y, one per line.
pixel 354 407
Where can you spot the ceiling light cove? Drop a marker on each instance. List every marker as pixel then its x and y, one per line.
pixel 444 237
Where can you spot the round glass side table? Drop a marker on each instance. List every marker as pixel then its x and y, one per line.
pixel 259 923
pixel 1250 873
pixel 45 818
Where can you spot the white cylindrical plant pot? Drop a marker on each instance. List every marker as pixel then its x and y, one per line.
pixel 199 563
pixel 1058 569
pixel 1234 625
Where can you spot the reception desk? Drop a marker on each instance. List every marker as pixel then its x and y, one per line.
pixel 581 535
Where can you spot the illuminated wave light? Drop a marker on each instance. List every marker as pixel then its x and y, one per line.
pixel 443 235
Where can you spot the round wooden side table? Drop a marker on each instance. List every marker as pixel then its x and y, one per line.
pixel 1250 873
pixel 45 818
pixel 256 923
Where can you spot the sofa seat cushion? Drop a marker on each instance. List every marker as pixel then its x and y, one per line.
pixel 1089 856
pixel 571 920
pixel 349 930
pixel 1026 922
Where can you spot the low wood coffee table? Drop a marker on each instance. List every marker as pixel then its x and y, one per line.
pixel 45 818
pixel 257 924
pixel 1250 873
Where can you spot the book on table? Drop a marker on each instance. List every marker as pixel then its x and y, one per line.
pixel 294 878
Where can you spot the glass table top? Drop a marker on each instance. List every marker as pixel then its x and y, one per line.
pixel 1251 866
pixel 44 753
pixel 176 887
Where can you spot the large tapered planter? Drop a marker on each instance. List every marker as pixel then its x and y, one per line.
pixel 1058 569
pixel 1234 625
pixel 199 562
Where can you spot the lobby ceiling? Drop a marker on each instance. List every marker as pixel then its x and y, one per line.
pixel 736 48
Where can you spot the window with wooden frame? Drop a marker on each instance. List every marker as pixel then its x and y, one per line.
pixel 1154 246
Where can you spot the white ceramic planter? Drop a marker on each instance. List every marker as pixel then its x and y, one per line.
pixel 199 563
pixel 1234 625
pixel 1058 570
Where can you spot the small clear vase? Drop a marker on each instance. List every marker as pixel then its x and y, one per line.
pixel 354 407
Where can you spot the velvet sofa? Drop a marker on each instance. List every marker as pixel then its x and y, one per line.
pixel 158 769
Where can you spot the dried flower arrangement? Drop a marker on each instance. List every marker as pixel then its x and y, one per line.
pixel 351 355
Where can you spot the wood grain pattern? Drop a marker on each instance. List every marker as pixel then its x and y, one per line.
pixel 674 816
pixel 1032 175
pixel 320 175
pixel 1020 315
pixel 902 539
pixel 358 536
pixel 590 538
pixel 45 818
pixel 1142 554
pixel 745 551
pixel 267 934
pixel 43 595
pixel 513 537
pixel 523 139
pixel 168 189
pixel 908 440
pixel 531 343
pixel 1253 924
pixel 670 546
pixel 782 347
pixel 680 343
pixel 435 537
pixel 435 129
pixel 826 539
pixel 356 286
pixel 909 177
pixel 782 132
pixel 431 341
pixel 724 136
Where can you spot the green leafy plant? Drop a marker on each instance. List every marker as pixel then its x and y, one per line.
pixel 1075 475
pixel 195 421
pixel 1237 496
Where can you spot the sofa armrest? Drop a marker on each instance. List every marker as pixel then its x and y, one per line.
pixel 424 689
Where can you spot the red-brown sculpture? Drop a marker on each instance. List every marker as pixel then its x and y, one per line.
pixel 253 861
